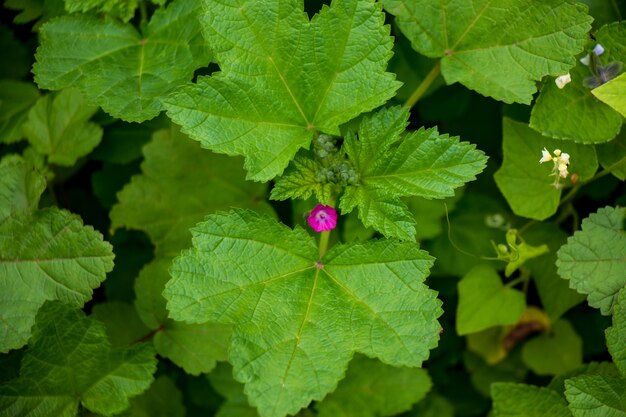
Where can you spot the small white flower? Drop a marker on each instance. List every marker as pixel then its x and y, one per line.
pixel 545 156
pixel 561 163
pixel 585 60
pixel 565 158
pixel 563 80
pixel 598 50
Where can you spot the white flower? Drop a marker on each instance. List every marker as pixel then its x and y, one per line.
pixel 561 163
pixel 585 60
pixel 545 156
pixel 563 80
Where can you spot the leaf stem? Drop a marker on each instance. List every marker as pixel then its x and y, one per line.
pixel 323 245
pixel 143 10
pixel 424 85
pixel 150 335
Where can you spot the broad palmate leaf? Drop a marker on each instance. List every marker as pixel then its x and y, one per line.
pixel 297 317
pixel 593 259
pixel 521 400
pixel 126 72
pixel 498 48
pixel 391 164
pixel 44 255
pixel 284 77
pixel 69 361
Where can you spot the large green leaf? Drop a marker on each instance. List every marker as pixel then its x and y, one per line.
pixel 373 389
pixel 126 72
pixel 58 126
pixel 525 183
pixel 541 38
pixel 298 318
pixel 284 77
pixel 178 186
pixel 593 259
pixel 391 164
pixel 520 400
pixel 555 352
pixel 616 334
pixel 573 112
pixel 195 347
pixel 69 362
pixel 484 302
pixel 596 396
pixel 613 93
pixel 21 186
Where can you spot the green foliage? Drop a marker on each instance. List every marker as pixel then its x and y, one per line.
pixel 612 93
pixel 616 335
pixel 67 346
pixel 555 352
pixel 528 187
pixel 124 9
pixel 16 98
pixel 541 38
pixel 592 259
pixel 485 302
pixel 520 400
pixel 126 72
pixel 162 399
pixel 596 395
pixel 262 104
pixel 242 256
pixel 58 127
pixel 391 164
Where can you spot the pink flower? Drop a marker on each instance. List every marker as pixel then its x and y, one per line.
pixel 323 218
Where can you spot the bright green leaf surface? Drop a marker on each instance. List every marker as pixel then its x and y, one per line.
pixel 58 126
pixel 616 335
pixel 520 400
pixel 558 351
pixel 613 93
pixel 47 256
pixel 573 112
pixel 20 186
pixel 122 322
pixel 194 347
pixel 179 185
pixel 541 38
pixel 16 98
pixel 300 181
pixel 593 259
pixel 554 292
pixel 162 399
pixel 525 183
pixel 124 9
pixel 593 368
pixel 249 270
pixel 596 396
pixel 392 165
pixel 484 302
pixel 70 361
pixel 123 71
pixel 271 94
pixel 373 389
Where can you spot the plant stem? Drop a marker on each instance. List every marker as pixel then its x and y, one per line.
pixel 143 10
pixel 426 82
pixel 324 242
pixel 149 335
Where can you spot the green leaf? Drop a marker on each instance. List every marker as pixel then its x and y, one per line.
pixel 593 259
pixel 612 155
pixel 178 186
pixel 20 186
pixel 124 9
pixel 433 405
pixel 558 351
pixel 373 389
pixel 194 347
pixel 520 400
pixel 484 302
pixel 249 270
pixel 47 256
pixel 573 112
pixel 483 374
pixel 123 71
pixel 393 165
pixel 616 334
pixel 70 362
pixel 596 396
pixel 58 126
pixel 541 38
pixel 162 399
pixel 40 10
pixel 271 95
pixel 593 368
pixel 554 292
pixel 612 93
pixel 527 185
pixel 300 180
pixel 16 97
pixel 429 213
pixel 122 322
pixel 236 404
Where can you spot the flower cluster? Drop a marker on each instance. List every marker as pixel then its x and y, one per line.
pixel 561 163
pixel 336 168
